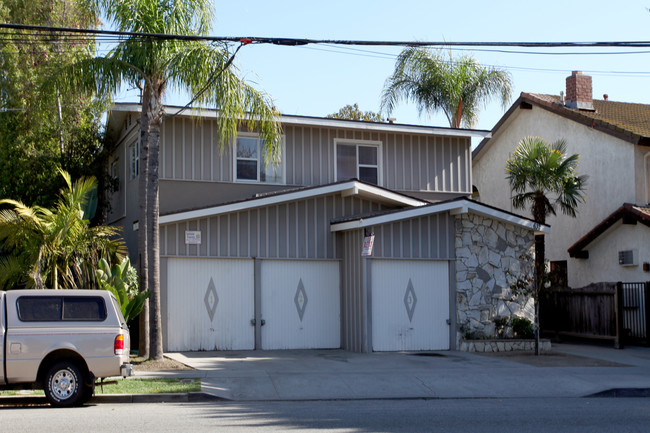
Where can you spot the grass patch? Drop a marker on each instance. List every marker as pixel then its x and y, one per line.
pixel 132 386
pixel 150 386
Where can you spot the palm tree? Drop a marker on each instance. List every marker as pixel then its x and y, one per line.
pixel 543 176
pixel 434 82
pixel 57 248
pixel 156 65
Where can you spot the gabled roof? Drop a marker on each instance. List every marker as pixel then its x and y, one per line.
pixel 345 188
pixel 629 213
pixel 455 206
pixel 624 120
pixel 119 111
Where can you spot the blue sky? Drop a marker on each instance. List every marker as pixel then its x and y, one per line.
pixel 318 80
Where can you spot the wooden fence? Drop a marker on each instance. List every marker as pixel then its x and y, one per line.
pixel 615 311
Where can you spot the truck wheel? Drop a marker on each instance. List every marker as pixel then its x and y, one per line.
pixel 63 384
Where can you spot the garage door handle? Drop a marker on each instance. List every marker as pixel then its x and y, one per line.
pixel 254 322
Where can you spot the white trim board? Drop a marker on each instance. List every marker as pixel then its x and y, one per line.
pixel 324 122
pixel 346 189
pixel 456 207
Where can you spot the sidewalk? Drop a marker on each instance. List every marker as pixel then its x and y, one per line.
pixel 571 370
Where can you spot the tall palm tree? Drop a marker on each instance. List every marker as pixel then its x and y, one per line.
pixel 156 65
pixel 56 248
pixel 544 177
pixel 435 82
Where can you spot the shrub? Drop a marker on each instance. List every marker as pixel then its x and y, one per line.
pixel 522 327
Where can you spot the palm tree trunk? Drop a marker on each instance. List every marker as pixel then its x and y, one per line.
pixel 539 273
pixel 155 121
pixel 143 240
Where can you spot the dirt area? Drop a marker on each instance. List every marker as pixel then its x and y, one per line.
pixel 165 364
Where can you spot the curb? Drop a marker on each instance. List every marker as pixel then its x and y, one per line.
pixel 189 397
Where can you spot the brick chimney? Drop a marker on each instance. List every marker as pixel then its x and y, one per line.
pixel 579 91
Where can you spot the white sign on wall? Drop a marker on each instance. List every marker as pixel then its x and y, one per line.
pixel 368 242
pixel 192 237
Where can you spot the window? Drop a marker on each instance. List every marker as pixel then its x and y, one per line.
pixel 115 175
pixel 61 308
pixel 358 160
pixel 134 160
pixel 250 161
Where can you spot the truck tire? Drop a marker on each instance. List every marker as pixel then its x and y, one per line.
pixel 64 385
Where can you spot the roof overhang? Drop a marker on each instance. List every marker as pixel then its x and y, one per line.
pixel 345 189
pixel 454 207
pixel 119 111
pixel 628 213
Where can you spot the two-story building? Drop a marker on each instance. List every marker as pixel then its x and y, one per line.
pixel 603 243
pixel 363 238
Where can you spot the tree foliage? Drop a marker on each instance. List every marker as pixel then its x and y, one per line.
pixel 543 176
pixel 352 112
pixel 434 82
pixel 42 130
pixel 55 248
pixel 122 280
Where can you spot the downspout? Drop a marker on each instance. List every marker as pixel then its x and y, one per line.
pixel 647 177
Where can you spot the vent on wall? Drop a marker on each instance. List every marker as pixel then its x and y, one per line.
pixel 628 258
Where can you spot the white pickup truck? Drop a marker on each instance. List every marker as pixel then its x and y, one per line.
pixel 61 341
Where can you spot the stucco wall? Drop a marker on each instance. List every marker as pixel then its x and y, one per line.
pixel 609 162
pixel 485 250
pixel 602 264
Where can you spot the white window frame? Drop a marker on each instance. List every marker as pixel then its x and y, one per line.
pixel 283 168
pixel 357 143
pixel 134 159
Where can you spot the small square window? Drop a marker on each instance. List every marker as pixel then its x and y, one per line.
pixel 251 164
pixel 357 160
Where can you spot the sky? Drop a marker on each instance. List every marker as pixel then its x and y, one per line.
pixel 317 80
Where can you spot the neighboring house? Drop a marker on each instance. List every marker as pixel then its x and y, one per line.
pixel 613 141
pixel 257 257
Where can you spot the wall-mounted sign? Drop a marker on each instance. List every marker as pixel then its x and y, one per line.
pixel 368 242
pixel 192 237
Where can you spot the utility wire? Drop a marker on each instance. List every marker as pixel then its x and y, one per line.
pixel 306 41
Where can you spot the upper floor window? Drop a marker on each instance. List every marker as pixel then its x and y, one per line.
pixel 115 175
pixel 358 159
pixel 134 160
pixel 250 161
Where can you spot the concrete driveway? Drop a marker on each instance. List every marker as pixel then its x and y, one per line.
pixel 568 371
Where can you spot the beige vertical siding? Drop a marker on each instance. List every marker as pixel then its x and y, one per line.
pixel 428 237
pixel 354 306
pixel 289 230
pixel 410 162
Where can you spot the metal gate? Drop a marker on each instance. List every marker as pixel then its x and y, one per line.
pixel 635 310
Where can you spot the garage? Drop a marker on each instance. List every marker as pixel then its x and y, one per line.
pixel 210 304
pixel 410 305
pixel 300 304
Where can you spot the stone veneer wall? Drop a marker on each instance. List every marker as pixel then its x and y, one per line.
pixel 485 249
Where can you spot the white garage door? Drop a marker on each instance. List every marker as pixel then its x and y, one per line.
pixel 410 305
pixel 300 304
pixel 210 304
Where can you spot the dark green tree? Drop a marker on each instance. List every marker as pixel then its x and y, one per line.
pixel 41 131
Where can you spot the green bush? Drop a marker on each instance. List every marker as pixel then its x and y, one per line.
pixel 522 328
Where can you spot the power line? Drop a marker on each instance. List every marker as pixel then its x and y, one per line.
pixel 307 41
